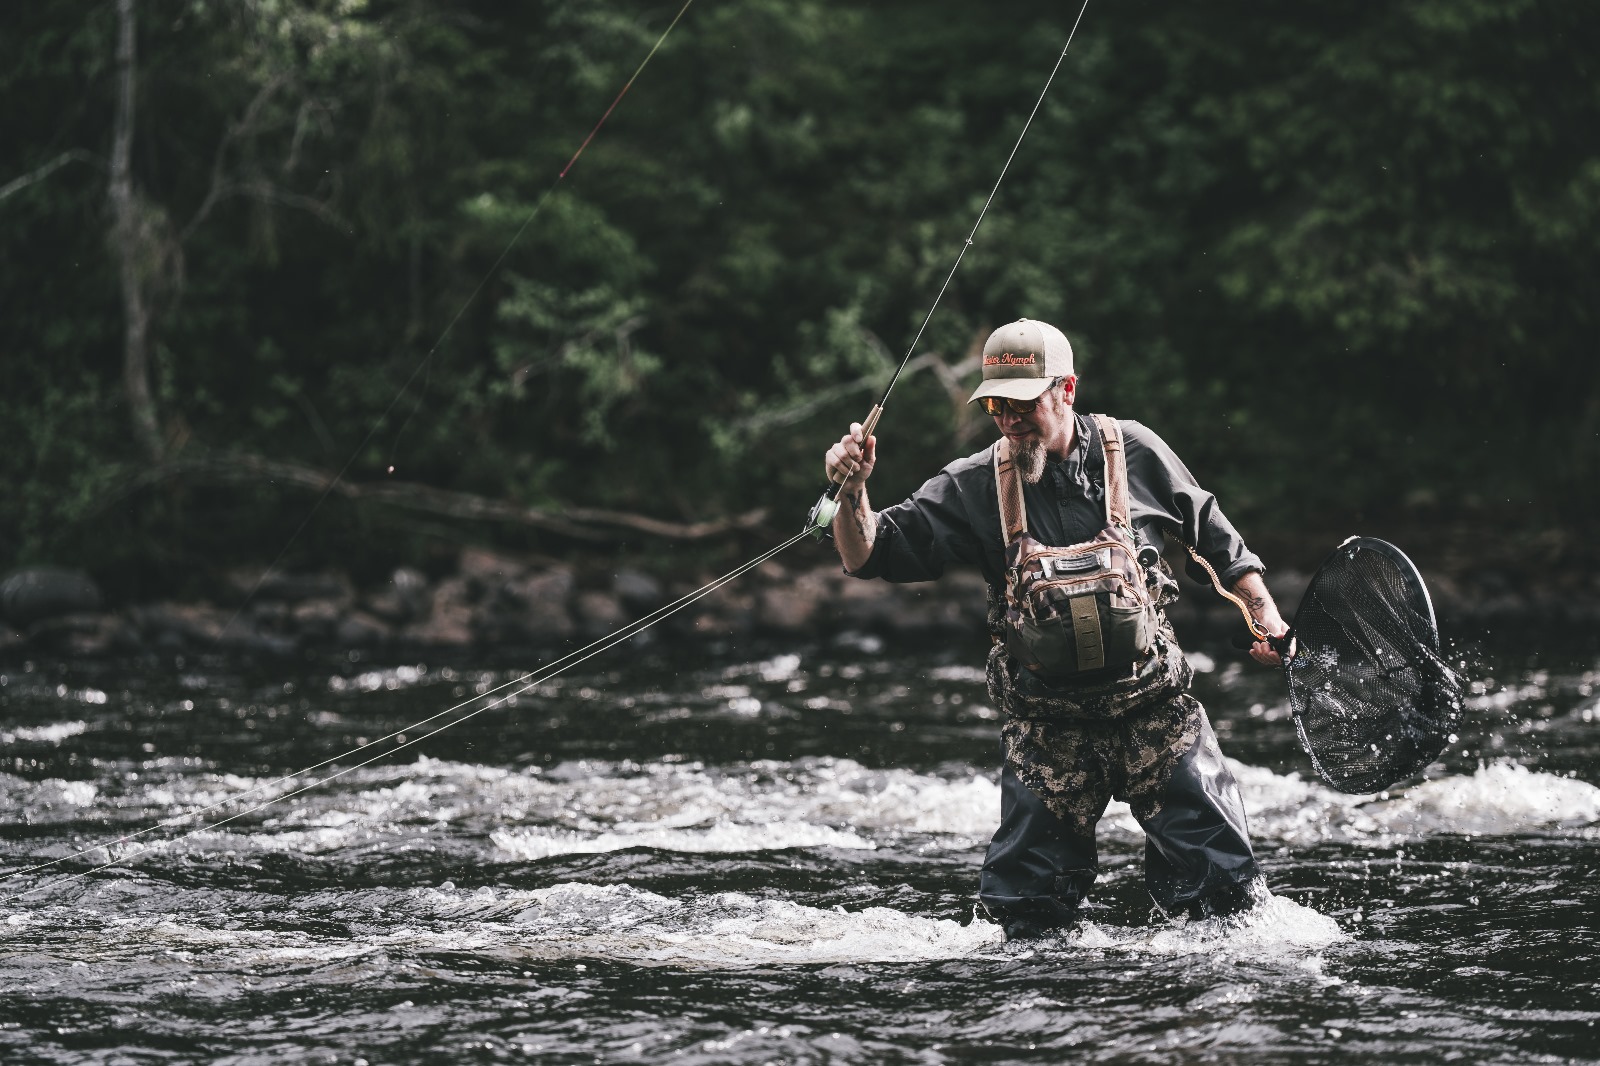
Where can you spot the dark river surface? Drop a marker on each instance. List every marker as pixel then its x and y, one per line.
pixel 751 854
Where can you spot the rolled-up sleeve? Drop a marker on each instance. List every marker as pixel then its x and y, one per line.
pixel 1162 489
pixel 921 536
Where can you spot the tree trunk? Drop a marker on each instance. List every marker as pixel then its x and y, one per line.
pixel 127 240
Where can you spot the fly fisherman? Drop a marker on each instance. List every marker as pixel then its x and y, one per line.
pixel 1063 515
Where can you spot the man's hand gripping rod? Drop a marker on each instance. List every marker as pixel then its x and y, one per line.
pixel 820 521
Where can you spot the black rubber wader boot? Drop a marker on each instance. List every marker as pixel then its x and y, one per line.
pixel 1042 861
pixel 1037 870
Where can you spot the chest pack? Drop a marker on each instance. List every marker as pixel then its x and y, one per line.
pixel 1084 609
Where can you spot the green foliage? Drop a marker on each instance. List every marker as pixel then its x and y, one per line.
pixel 1341 255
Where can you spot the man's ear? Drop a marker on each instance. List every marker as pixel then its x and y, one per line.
pixel 1069 389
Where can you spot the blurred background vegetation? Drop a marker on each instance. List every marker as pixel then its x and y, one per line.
pixel 1342 256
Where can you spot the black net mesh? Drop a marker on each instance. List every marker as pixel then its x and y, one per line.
pixel 1373 698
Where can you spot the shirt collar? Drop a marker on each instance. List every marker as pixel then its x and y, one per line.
pixel 1077 458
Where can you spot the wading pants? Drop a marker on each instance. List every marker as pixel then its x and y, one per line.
pixel 1162 758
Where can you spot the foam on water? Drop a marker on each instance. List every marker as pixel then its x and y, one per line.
pixel 1500 799
pixel 621 922
pixel 541 843
pixel 599 807
pixel 46 734
pixel 730 929
pixel 52 799
pixel 581 921
pixel 565 921
pixel 398 677
pixel 1275 926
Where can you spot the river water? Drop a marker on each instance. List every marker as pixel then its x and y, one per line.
pixel 737 854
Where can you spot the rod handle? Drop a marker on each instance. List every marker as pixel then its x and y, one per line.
pixel 868 424
pixel 820 520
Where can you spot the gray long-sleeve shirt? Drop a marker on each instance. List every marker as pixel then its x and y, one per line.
pixel 955 516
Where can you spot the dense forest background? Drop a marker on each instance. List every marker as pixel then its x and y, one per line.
pixel 1342 256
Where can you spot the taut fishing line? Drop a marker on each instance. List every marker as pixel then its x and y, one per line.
pixel 428 358
pixel 377 424
pixel 529 680
pixel 816 524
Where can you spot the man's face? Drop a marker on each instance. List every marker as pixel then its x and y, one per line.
pixel 1047 424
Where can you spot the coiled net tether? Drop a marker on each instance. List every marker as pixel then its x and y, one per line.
pixel 1373 698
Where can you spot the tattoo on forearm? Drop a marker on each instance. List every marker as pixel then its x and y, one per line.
pixel 1257 603
pixel 866 521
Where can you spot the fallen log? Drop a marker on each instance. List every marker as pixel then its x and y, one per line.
pixel 578 522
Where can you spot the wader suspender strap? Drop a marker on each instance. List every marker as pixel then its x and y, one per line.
pixel 1116 474
pixel 1013 512
pixel 1008 483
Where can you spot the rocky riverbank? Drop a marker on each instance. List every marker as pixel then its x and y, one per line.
pixel 498 600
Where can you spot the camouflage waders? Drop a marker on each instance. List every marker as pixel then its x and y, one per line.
pixel 1140 738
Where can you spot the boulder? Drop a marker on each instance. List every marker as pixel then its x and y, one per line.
pixel 485 571
pixel 729 611
pixel 204 627
pixel 41 592
pixel 638 591
pixel 189 623
pixel 406 598
pixel 786 610
pixel 537 605
pixel 599 613
pixel 449 621
pixel 281 586
pixel 360 630
pixel 317 619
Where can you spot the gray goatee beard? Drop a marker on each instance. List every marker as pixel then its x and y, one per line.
pixel 1029 458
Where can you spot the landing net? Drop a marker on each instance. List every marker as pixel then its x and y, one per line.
pixel 1373 698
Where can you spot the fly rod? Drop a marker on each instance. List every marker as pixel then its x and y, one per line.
pixel 820 520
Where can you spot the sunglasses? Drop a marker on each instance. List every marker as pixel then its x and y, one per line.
pixel 993 405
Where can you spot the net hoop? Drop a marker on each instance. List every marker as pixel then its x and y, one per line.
pixel 1373 699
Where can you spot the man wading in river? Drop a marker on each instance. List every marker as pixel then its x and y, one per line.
pixel 1063 515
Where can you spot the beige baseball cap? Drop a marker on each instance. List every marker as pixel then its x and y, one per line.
pixel 1021 359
